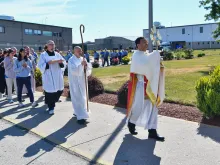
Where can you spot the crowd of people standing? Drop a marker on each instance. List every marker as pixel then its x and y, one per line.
pixel 110 57
pixel 17 73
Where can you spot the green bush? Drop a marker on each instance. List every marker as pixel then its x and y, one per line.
pixel 208 94
pixel 95 87
pixel 38 77
pixel 122 94
pixel 95 64
pixel 188 53
pixel 201 54
pixel 178 54
pixel 168 55
pixel 126 60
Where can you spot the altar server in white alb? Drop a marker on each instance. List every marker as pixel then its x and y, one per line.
pixel 52 65
pixel 76 66
pixel 145 90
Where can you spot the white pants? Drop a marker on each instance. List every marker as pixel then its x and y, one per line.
pixel 10 82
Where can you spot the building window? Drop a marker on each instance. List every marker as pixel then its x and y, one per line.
pixel 47 33
pixel 28 31
pixel 217 42
pixel 201 29
pixel 198 43
pixel 203 43
pixel 189 43
pixel 183 31
pixel 2 29
pixel 55 34
pixel 37 32
pixel 213 43
pixel 60 34
pixel 208 43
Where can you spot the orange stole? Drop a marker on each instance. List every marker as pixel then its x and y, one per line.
pixel 131 90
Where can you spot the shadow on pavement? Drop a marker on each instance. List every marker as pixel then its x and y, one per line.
pixel 136 151
pixel 209 132
pixel 38 115
pixel 15 110
pixel 121 110
pixel 108 142
pixel 60 137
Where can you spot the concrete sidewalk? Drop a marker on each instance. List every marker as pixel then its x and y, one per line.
pixel 106 139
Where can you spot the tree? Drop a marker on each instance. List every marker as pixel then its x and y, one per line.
pixel 214 7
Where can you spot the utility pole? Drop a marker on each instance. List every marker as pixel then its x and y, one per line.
pixel 150 44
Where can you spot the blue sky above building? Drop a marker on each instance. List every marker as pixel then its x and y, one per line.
pixel 104 17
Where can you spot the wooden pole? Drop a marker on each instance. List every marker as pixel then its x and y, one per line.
pixel 82 30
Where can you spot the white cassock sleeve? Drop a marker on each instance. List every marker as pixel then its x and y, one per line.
pixel 42 63
pixel 77 68
pixel 64 63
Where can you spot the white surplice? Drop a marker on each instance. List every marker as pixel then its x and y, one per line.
pixel 78 87
pixel 52 78
pixel 144 112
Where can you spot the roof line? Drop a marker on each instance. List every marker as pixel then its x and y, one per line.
pixel 33 23
pixel 187 25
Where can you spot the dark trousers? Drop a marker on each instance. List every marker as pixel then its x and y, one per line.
pixel 52 98
pixel 120 59
pixel 88 60
pixel 27 82
pixel 105 60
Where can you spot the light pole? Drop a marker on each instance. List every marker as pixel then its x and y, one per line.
pixel 150 45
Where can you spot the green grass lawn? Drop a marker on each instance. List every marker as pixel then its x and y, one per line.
pixel 181 76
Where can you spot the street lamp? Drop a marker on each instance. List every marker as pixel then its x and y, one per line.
pixel 150 45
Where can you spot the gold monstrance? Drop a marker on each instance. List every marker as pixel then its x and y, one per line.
pixel 155 37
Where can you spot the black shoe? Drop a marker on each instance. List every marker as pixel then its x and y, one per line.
pixel 81 122
pixel 153 135
pixel 132 129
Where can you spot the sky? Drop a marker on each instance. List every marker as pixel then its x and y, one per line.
pixel 102 18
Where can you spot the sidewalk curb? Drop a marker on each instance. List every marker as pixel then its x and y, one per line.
pixel 63 146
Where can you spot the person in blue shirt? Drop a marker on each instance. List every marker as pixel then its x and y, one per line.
pixel 120 56
pixel 86 55
pixel 34 55
pixel 23 69
pixel 116 54
pixel 106 55
pixel 124 53
pixel 102 56
pixel 96 56
pixel 68 56
pixel 111 56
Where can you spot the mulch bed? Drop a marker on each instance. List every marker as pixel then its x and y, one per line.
pixel 188 113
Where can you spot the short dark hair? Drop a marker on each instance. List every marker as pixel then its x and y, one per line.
pixel 138 40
